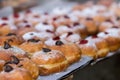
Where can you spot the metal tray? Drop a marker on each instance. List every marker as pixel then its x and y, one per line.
pixel 62 75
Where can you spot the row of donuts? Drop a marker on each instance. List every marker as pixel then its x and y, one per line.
pixel 48 58
pixel 34 44
pixel 32 59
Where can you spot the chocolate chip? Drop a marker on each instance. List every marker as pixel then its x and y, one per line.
pixel 20 65
pixel 89 18
pixel 108 20
pixel 46 13
pixel 6 45
pixel 46 50
pixel 67 17
pixel 54 19
pixel 33 40
pixel 8 68
pixel 28 11
pixel 76 24
pixel 11 34
pixel 45 23
pixel 9 62
pixel 59 43
pixel 27 26
pixel 118 18
pixel 106 32
pixel 15 60
pixel 49 31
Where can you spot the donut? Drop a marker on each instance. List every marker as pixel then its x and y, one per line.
pixel 7 51
pixel 50 61
pixel 26 64
pixel 91 25
pixel 71 51
pixel 14 73
pixel 31 46
pixel 87 48
pixel 112 40
pixel 101 44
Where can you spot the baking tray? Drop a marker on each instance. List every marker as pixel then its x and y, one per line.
pixel 72 68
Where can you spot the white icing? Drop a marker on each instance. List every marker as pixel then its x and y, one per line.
pixel 29 35
pixel 71 38
pixel 78 28
pixel 47 55
pixel 45 35
pixel 60 11
pixel 43 27
pixel 88 44
pixel 110 34
pixel 14 49
pixel 50 42
pixel 62 29
pixel 94 39
pixel 23 24
pixel 107 24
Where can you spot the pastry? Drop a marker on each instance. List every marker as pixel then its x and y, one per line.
pixel 50 61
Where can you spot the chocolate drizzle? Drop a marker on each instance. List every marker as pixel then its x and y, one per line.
pixel 46 50
pixel 8 68
pixel 7 45
pixel 59 43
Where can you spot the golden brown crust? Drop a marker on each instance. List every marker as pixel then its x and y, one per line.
pixel 71 52
pixel 50 62
pixel 88 51
pixel 91 26
pixel 5 55
pixel 16 74
pixel 30 66
pixel 31 47
pixel 2 62
pixel 4 29
pixel 113 43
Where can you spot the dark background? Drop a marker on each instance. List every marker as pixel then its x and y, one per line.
pixel 108 69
